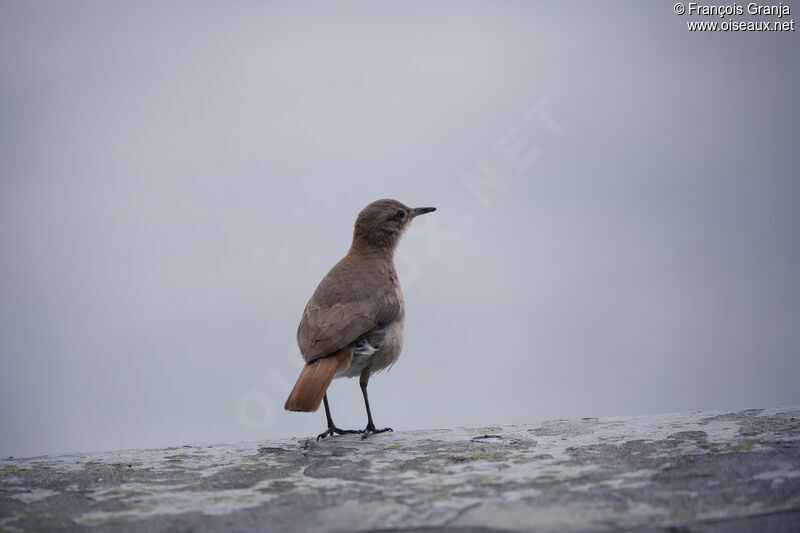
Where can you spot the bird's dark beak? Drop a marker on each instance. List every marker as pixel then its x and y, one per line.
pixel 421 211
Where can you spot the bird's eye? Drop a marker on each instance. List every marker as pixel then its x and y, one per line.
pixel 401 214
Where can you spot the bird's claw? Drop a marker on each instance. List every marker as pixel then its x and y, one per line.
pixel 333 429
pixel 366 432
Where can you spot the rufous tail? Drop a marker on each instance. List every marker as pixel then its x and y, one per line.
pixel 314 380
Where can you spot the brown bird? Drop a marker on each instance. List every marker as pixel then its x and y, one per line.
pixel 353 323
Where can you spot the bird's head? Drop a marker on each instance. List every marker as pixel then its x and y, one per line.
pixel 381 223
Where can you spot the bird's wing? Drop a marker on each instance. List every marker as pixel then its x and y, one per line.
pixel 325 329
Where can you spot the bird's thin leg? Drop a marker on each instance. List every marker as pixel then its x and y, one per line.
pixel 331 426
pixel 370 429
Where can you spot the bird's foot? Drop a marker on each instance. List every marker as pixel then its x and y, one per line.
pixel 370 430
pixel 333 429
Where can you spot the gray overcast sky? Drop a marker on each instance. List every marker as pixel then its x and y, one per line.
pixel 177 177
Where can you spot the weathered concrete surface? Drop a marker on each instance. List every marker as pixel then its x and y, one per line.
pixel 705 471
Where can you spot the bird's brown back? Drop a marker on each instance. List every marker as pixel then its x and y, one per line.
pixel 360 293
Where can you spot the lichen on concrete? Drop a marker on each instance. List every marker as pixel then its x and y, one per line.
pixel 702 471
